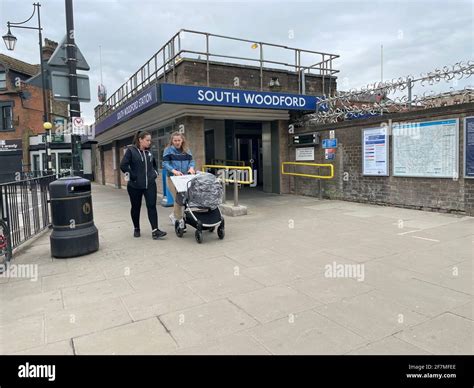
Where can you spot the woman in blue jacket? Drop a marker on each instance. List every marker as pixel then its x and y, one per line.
pixel 177 160
pixel 139 167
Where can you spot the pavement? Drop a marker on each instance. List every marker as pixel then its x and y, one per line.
pixel 296 275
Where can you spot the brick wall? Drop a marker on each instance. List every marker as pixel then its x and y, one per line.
pixel 438 194
pixel 193 72
pixel 194 132
pixel 97 167
pixel 28 116
pixel 109 171
pixel 285 152
pixel 27 113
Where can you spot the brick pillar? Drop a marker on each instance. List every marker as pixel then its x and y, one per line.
pixel 285 180
pixel 193 127
pixel 100 172
pixel 116 164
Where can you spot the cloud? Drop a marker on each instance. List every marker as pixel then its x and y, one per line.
pixel 417 36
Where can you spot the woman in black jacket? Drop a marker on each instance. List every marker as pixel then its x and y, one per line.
pixel 139 167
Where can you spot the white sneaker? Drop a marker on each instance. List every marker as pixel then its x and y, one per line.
pixel 172 219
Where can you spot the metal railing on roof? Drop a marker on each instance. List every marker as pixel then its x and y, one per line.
pixel 161 67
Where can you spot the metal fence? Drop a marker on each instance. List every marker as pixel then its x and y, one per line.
pixel 24 207
pixel 197 44
pixel 14 176
pixel 397 95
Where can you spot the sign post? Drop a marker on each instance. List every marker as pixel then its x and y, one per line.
pixel 68 59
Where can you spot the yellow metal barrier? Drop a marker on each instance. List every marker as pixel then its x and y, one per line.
pixel 246 168
pixel 331 167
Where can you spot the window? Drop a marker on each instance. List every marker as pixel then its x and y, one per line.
pixel 6 117
pixel 53 161
pixel 36 163
pixel 3 79
pixel 65 161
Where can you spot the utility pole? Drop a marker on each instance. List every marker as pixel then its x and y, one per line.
pixel 74 105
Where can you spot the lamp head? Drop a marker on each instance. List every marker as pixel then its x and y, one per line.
pixel 10 40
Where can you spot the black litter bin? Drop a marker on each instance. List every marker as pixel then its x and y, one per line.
pixel 74 233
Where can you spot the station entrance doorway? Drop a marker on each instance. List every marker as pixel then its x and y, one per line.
pixel 245 143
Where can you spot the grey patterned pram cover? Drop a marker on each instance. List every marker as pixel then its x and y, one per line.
pixel 205 190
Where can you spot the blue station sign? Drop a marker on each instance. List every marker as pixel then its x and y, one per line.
pixel 141 102
pixel 200 95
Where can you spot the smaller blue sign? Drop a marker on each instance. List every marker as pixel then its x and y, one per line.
pixel 143 101
pixel 330 143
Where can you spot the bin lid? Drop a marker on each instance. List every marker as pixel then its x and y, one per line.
pixel 69 187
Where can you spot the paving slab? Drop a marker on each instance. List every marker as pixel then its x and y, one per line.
pixel 389 346
pixel 271 303
pixel 371 315
pixel 95 292
pixel 25 333
pixel 234 344
pixel 143 337
pixel 214 288
pixel 306 333
pixel 445 334
pixel 160 300
pixel 84 319
pixel 201 324
pixel 60 348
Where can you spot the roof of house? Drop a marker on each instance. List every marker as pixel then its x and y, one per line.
pixel 19 66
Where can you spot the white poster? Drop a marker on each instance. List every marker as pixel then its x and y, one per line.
pixel 304 153
pixel 426 149
pixel 181 182
pixel 375 151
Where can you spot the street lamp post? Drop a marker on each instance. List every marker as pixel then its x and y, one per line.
pixel 10 41
pixel 74 105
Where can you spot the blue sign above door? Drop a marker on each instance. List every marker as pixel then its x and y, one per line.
pixel 201 95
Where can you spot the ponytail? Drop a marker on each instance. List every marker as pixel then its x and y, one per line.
pixel 139 135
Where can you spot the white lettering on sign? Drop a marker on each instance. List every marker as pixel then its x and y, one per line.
pixel 142 101
pixel 288 101
pixel 211 96
pixel 251 99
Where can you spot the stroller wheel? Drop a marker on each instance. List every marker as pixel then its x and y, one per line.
pixel 198 236
pixel 221 232
pixel 178 230
pixel 212 229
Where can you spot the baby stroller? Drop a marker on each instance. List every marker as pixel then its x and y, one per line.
pixel 201 206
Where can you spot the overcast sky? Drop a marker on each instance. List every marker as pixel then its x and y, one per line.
pixel 417 36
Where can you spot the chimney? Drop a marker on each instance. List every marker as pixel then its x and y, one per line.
pixel 48 48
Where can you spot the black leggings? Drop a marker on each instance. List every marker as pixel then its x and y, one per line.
pixel 136 202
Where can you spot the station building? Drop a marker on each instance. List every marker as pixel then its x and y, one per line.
pixel 234 105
